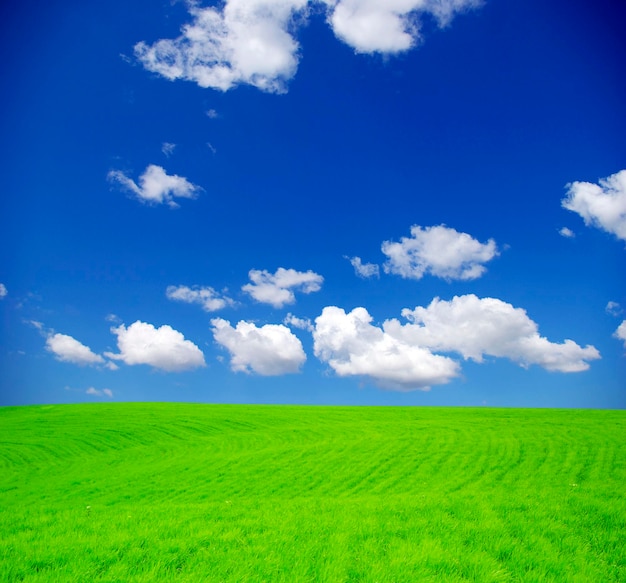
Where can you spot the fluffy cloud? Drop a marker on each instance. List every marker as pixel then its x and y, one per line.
pixel 207 297
pixel 68 349
pixel 99 393
pixel 364 270
pixel 475 327
pixel 388 26
pixel 248 41
pixel 269 350
pixel 403 356
pixel 600 205
pixel 440 251
pixel 277 289
pixel 567 233
pixel 163 348
pixel 3 291
pixel 252 42
pixel 620 333
pixel 352 346
pixel 156 186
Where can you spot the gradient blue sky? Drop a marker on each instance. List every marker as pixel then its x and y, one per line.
pixel 181 215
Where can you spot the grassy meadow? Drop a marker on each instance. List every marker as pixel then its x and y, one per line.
pixel 221 493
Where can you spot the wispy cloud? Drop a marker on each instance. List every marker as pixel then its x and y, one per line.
pixel 601 205
pixel 99 392
pixel 168 148
pixel 364 270
pixel 277 289
pixel 162 348
pixel 268 350
pixel 3 291
pixel 253 41
pixel 207 297
pixel 301 323
pixel 567 233
pixel 156 186
pixel 614 309
pixel 439 251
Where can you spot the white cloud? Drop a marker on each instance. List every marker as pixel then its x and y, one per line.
pixel 620 333
pixel 207 297
pixel 277 289
pixel 168 148
pixel 156 186
pixel 252 41
pixel 613 308
pixel 352 346
pixel 68 349
pixel 476 327
pixel 600 205
pixel 269 350
pixel 3 291
pixel 99 393
pixel 440 251
pixel 388 26
pixel 212 114
pixel 403 356
pixel 248 41
pixel 364 270
pixel 301 323
pixel 163 348
pixel 567 233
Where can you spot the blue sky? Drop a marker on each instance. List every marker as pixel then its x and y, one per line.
pixel 400 202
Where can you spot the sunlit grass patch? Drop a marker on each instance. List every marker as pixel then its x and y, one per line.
pixel 156 492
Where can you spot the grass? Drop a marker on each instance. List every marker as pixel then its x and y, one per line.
pixel 219 493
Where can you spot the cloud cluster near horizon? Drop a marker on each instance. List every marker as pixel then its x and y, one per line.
pixel 253 41
pixel 402 356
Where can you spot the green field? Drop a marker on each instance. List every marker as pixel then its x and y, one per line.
pixel 182 492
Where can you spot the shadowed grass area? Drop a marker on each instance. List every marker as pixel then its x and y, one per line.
pixel 185 492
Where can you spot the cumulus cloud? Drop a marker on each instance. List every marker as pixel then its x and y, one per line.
pixel 475 327
pixel 207 297
pixel 601 205
pixel 567 233
pixel 440 251
pixel 388 26
pixel 352 346
pixel 364 270
pixel 620 333
pixel 99 392
pixel 278 289
pixel 269 350
pixel 156 186
pixel 252 41
pixel 162 348
pixel 301 323
pixel 614 309
pixel 68 349
pixel 246 41
pixel 3 291
pixel 404 356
